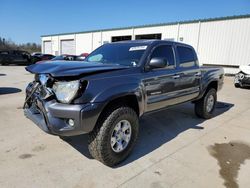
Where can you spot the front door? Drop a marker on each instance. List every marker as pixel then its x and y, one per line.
pixel 161 85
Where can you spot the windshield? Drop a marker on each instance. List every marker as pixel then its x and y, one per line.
pixel 127 54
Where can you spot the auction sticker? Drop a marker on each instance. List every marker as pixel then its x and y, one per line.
pixel 135 48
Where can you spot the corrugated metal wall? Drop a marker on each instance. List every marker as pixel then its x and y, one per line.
pixel 218 42
pixel 225 42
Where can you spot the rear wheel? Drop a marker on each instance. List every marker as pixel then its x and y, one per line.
pixel 114 136
pixel 204 107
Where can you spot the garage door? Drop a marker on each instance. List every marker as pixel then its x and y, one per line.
pixel 47 46
pixel 68 47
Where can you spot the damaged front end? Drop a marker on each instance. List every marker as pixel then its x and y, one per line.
pixel 242 78
pixel 41 87
pixel 49 105
pixel 55 102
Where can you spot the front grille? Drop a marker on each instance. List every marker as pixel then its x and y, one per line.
pixel 45 83
pixel 36 77
pixel 49 80
pixel 41 92
pixel 44 92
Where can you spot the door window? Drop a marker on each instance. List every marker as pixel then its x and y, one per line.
pixel 187 57
pixel 165 51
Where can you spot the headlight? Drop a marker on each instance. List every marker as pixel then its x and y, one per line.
pixel 66 91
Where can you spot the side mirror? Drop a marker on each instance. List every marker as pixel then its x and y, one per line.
pixel 158 62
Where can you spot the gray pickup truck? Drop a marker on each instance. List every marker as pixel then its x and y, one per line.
pixel 106 94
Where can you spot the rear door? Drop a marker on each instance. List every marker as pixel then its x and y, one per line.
pixel 190 73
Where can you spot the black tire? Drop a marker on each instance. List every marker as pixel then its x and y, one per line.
pixel 100 138
pixel 237 85
pixel 5 64
pixel 201 105
pixel 65 138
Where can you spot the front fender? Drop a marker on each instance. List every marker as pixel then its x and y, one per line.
pixel 118 91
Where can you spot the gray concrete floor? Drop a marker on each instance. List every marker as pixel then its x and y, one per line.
pixel 175 148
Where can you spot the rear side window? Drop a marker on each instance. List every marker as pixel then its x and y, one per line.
pixel 186 56
pixel 165 51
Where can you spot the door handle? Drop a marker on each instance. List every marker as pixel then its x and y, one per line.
pixel 176 76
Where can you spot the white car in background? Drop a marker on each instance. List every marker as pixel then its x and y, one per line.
pixel 243 77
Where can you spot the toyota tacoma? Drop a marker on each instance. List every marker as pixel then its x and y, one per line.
pixel 106 94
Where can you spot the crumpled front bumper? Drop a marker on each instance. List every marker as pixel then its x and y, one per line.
pixel 53 117
pixel 242 79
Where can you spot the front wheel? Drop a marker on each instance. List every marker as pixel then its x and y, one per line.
pixel 65 138
pixel 237 85
pixel 204 107
pixel 114 136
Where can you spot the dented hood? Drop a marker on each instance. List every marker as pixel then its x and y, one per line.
pixel 245 69
pixel 71 68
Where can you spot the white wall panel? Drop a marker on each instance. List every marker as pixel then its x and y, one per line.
pixel 239 52
pixel 97 40
pixel 189 33
pixel 225 42
pixel 46 38
pixel 214 42
pixel 171 32
pixel 83 43
pixel 55 45
pixel 66 37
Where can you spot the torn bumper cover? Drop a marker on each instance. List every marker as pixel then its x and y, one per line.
pixel 53 117
pixel 242 79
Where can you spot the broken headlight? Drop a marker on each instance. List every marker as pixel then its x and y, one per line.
pixel 66 91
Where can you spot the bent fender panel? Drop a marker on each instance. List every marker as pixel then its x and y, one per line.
pixel 121 91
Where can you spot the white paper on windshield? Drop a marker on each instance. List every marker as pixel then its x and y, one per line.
pixel 135 48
